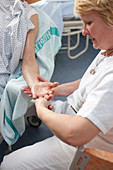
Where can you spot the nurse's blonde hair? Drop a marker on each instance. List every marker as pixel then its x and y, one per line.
pixel 103 7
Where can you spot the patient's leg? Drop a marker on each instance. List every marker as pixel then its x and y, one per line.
pixel 49 154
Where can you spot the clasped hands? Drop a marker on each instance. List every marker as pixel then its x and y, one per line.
pixel 44 91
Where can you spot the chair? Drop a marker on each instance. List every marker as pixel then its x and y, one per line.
pixel 92 159
pixel 73 27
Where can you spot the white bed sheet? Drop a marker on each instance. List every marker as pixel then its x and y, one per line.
pixel 56 10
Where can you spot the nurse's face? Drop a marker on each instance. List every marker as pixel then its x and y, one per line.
pixel 98 31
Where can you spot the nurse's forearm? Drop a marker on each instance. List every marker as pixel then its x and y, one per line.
pixel 67 88
pixel 69 129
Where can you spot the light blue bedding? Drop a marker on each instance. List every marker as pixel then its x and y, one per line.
pixel 56 10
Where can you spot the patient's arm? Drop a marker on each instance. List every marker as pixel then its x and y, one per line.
pixel 30 67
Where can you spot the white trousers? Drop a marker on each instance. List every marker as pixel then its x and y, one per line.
pixel 50 154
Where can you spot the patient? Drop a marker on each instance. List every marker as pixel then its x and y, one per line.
pixel 88 111
pixel 20 45
pixel 30 67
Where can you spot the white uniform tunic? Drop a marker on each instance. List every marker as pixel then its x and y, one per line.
pixel 94 100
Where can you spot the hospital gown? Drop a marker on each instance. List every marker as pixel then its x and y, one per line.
pixel 11 14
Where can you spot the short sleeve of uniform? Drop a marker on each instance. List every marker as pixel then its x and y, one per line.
pixel 98 107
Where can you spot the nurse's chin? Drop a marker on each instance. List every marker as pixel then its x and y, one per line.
pixel 95 45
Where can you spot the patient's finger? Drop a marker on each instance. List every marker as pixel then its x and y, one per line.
pixel 48 97
pixel 51 91
pixel 26 89
pixel 34 95
pixel 42 79
pixel 55 84
pixel 27 92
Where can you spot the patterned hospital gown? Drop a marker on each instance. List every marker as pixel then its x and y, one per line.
pixel 14 25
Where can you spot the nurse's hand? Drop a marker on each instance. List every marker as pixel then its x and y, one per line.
pixel 42 104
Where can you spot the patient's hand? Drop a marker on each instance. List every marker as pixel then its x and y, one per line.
pixel 41 89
